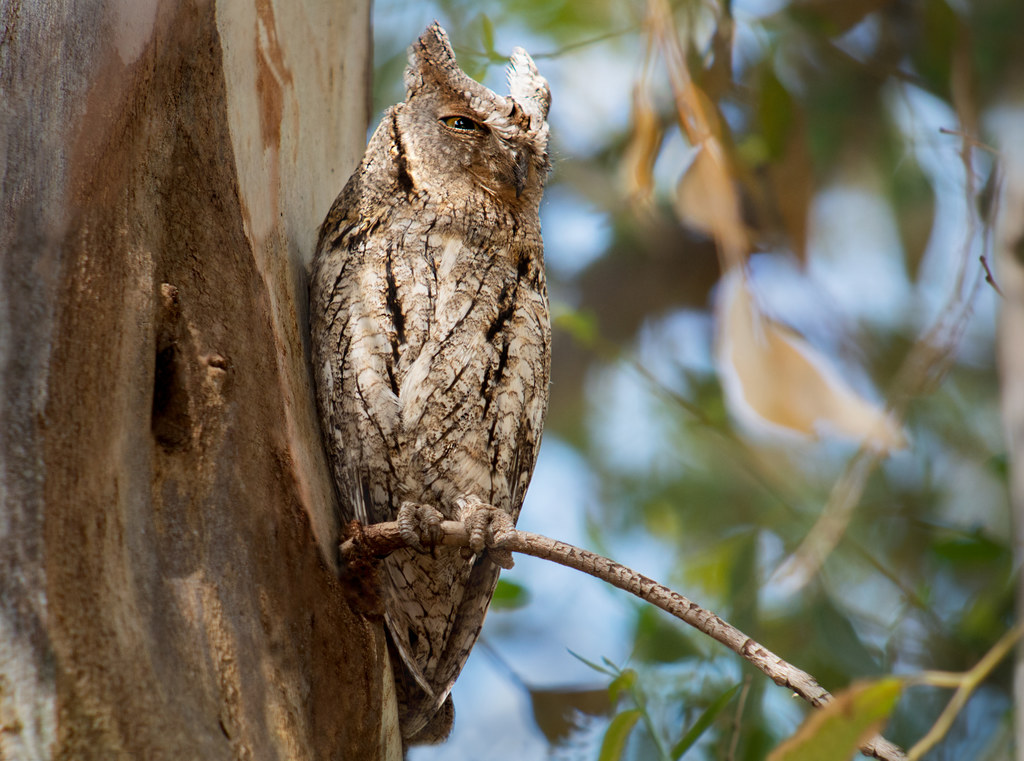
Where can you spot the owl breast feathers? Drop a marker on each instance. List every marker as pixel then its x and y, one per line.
pixel 431 346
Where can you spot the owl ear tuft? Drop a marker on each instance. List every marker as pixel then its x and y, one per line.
pixel 528 88
pixel 432 61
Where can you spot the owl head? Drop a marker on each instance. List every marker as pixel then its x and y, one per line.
pixel 463 140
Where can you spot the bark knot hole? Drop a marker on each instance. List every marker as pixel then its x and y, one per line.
pixel 171 418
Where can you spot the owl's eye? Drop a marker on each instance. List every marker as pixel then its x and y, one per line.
pixel 462 124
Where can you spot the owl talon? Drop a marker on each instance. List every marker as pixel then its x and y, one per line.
pixel 502 558
pixel 420 525
pixel 489 528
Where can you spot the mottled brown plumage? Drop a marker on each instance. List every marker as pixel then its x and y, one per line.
pixel 431 342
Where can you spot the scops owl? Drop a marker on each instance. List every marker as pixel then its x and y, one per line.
pixel 431 350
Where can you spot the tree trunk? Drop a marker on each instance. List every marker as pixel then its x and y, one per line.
pixel 1010 253
pixel 167 535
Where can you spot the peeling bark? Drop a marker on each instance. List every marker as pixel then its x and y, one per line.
pixel 167 559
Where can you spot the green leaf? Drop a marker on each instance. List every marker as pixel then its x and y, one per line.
pixel 509 595
pixel 622 683
pixel 834 733
pixel 703 722
pixel 615 736
pixel 970 549
pixel 933 56
pixel 829 18
pixel 487 32
pixel 848 654
pixel 597 667
pixel 775 113
pixel 581 325
pixel 659 638
pixel 998 464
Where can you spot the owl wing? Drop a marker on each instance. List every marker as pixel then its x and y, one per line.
pixel 354 364
pixel 354 336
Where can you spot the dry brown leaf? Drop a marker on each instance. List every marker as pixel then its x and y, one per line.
pixel 706 197
pixel 702 198
pixel 644 145
pixel 698 114
pixel 706 200
pixel 773 376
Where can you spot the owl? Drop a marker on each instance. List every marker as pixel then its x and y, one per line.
pixel 431 351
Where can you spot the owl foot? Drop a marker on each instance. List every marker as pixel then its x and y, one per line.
pixel 420 525
pixel 489 528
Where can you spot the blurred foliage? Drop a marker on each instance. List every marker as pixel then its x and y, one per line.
pixel 836 731
pixel 815 104
pixel 509 595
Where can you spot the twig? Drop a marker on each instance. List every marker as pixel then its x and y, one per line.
pixel 741 705
pixel 988 276
pixel 970 139
pixel 383 538
pixel 965 684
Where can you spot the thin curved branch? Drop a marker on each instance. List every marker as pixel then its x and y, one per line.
pixel 383 538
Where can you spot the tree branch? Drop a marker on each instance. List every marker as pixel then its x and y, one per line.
pixel 383 538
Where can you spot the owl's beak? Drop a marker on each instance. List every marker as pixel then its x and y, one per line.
pixel 521 171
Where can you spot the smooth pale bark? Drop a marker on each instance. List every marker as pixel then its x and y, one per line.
pixel 167 562
pixel 1010 278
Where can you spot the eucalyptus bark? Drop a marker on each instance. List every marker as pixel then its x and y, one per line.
pixel 168 577
pixel 1010 277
